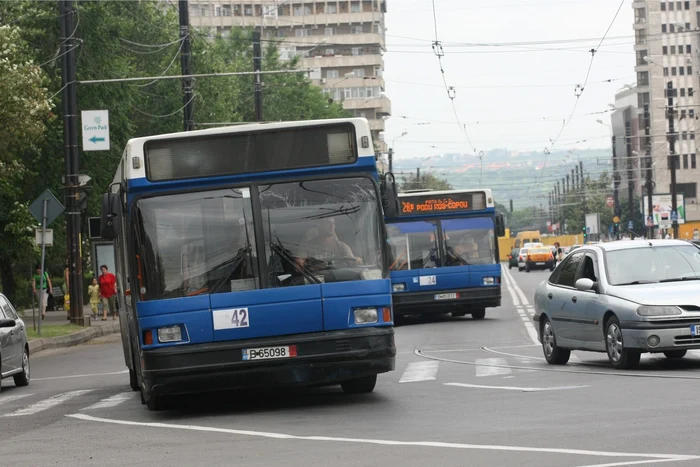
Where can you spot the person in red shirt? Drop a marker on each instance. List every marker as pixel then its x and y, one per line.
pixel 108 290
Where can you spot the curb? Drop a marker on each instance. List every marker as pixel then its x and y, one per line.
pixel 37 345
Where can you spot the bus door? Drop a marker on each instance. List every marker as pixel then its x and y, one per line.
pixel 471 252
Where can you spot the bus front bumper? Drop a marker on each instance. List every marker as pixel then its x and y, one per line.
pixel 441 301
pixel 323 358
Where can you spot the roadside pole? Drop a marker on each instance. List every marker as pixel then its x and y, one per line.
pixel 43 257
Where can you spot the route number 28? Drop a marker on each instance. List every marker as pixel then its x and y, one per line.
pixel 239 318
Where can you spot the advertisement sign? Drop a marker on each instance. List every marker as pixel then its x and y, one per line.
pixel 662 214
pixel 593 223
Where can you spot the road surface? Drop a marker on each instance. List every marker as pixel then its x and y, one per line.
pixel 464 393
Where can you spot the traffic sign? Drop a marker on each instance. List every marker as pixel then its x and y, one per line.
pixel 47 237
pixel 630 225
pixel 674 216
pixel 95 125
pixel 54 208
pixel 616 219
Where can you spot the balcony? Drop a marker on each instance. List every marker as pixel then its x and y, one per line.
pixel 376 124
pixel 318 37
pixel 354 82
pixel 338 61
pixel 382 105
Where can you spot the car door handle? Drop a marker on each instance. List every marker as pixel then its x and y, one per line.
pixel 12 333
pixel 549 296
pixel 573 299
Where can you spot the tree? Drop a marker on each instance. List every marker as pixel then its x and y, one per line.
pixel 24 109
pixel 427 181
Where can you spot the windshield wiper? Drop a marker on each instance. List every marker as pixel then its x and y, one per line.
pixel 454 254
pixel 283 253
pixel 684 278
pixel 643 281
pixel 231 264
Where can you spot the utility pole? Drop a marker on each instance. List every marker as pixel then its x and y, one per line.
pixel 418 174
pixel 568 188
pixel 186 62
pixel 72 162
pixel 630 174
pixel 391 163
pixel 672 156
pixel 616 183
pixel 578 178
pixel 257 67
pixel 582 187
pixel 650 183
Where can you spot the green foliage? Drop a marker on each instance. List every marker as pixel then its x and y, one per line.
pixel 427 181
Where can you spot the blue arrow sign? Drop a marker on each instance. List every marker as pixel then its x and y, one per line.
pixel 95 139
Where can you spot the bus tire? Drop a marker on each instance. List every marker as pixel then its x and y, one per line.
pixel 361 385
pixel 133 380
pixel 154 403
pixel 479 314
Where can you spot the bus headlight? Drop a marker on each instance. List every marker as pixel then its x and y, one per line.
pixel 398 287
pixel 489 280
pixel 366 316
pixel 170 334
pixel 371 274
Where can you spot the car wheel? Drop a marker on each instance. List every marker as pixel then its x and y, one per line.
pixel 479 314
pixel 527 268
pixel 554 354
pixel 673 354
pixel 22 379
pixel 619 356
pixel 359 385
pixel 520 269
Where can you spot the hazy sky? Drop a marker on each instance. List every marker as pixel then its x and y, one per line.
pixel 504 94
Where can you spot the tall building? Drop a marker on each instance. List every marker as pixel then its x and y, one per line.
pixel 342 41
pixel 630 156
pixel 667 46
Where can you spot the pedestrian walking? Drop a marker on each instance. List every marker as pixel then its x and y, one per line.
pixel 94 292
pixel 108 291
pixel 42 293
pixel 66 291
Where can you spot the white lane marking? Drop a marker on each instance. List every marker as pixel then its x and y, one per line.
pixel 480 349
pixel 420 371
pixel 511 291
pixel 483 370
pixel 514 388
pixel 6 399
pixel 434 444
pixel 48 403
pixel 529 327
pixel 112 401
pixel 517 289
pixel 650 461
pixel 81 376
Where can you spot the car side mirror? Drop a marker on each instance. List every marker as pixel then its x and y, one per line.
pixel 109 216
pixel 7 323
pixel 585 285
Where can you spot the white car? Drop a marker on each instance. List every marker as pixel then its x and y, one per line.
pixel 522 256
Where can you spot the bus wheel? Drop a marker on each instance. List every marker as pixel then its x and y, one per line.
pixel 359 385
pixel 154 403
pixel 479 314
pixel 133 381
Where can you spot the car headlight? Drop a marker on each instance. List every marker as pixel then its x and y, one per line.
pixel 366 316
pixel 398 287
pixel 658 310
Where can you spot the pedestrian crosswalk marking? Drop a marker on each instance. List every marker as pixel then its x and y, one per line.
pixel 491 367
pixel 420 371
pixel 112 401
pixel 6 399
pixel 48 403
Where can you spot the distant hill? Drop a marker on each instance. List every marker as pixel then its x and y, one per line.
pixel 520 176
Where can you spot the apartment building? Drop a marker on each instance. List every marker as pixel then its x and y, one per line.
pixel 630 156
pixel 342 41
pixel 667 47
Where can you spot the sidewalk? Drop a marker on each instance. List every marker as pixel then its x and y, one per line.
pixel 95 329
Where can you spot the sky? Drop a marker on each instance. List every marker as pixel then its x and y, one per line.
pixel 513 97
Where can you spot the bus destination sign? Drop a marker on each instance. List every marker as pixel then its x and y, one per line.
pixel 456 202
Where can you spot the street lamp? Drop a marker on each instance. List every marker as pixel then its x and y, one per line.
pixel 391 150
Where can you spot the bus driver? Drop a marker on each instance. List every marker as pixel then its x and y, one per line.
pixel 323 243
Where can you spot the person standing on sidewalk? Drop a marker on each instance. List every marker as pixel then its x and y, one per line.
pixel 42 294
pixel 108 290
pixel 66 290
pixel 94 292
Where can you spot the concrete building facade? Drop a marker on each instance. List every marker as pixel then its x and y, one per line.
pixel 342 41
pixel 667 49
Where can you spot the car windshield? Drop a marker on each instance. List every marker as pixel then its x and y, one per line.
pixel 653 264
pixel 321 231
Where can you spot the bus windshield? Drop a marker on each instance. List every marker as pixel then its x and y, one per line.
pixel 204 242
pixel 469 241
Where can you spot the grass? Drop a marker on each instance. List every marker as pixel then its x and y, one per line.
pixel 52 330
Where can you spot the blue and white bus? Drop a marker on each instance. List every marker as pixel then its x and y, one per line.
pixel 251 256
pixel 444 252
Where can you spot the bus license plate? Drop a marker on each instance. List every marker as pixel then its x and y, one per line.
pixel 446 296
pixel 539 264
pixel 266 353
pixel 695 330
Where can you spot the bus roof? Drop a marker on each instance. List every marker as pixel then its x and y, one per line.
pixel 133 162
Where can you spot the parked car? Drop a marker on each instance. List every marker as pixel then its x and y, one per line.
pixel 14 347
pixel 522 254
pixel 539 258
pixel 623 298
pixel 513 258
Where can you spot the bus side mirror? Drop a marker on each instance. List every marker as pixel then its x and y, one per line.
pixel 389 198
pixel 109 216
pixel 500 226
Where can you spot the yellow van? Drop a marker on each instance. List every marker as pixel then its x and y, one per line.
pixel 530 236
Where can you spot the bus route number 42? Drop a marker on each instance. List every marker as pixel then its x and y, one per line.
pixel 231 318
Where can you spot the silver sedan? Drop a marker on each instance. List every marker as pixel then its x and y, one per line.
pixel 623 298
pixel 14 349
